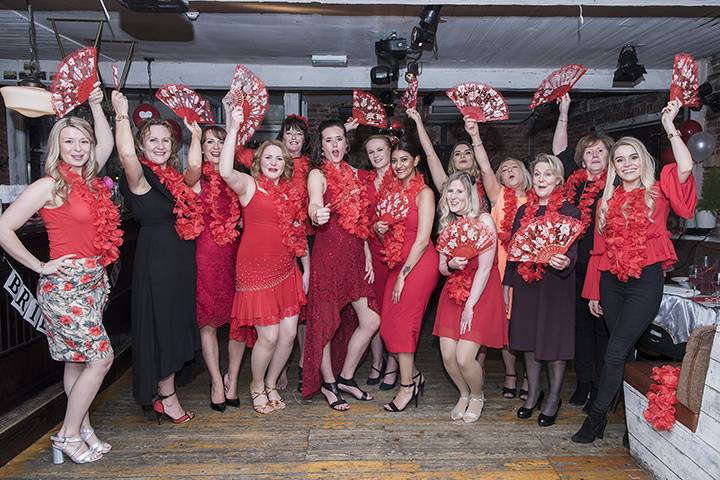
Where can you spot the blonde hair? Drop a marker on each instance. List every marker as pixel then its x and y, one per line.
pixel 647 179
pixel 144 131
pixel 255 170
pixel 527 179
pixel 556 166
pixel 474 170
pixel 472 209
pixel 53 160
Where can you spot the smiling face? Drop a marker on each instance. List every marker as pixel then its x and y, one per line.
pixel 627 164
pixel 457 197
pixel 294 140
pixel 463 157
pixel 403 164
pixel 378 153
pixel 75 147
pixel 544 180
pixel 511 174
pixel 211 147
pixel 595 158
pixel 272 162
pixel 334 143
pixel 157 144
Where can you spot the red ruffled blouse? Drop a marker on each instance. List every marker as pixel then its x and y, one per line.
pixel 681 197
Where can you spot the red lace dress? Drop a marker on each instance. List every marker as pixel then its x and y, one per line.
pixel 268 284
pixel 337 278
pixel 400 322
pixel 381 269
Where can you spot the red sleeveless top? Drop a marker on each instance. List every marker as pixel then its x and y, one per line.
pixel 71 228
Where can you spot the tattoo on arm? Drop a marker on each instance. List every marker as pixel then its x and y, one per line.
pixel 406 270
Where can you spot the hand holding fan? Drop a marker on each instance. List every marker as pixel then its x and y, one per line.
pixel 116 77
pixel 684 85
pixel 392 208
pixel 74 80
pixel 544 237
pixel 368 110
pixel 478 101
pixel 557 84
pixel 465 238
pixel 186 103
pixel 249 92
pixel 409 99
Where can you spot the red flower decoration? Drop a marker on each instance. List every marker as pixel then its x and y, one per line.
pixel 90 301
pixel 588 196
pixel 510 207
pixel 85 278
pixel 78 357
pixel 660 412
pixel 626 225
pixel 223 225
pixel 291 213
pixel 70 343
pixel 68 286
pixel 349 198
pixel 95 331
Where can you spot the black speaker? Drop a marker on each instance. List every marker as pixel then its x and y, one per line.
pixel 156 6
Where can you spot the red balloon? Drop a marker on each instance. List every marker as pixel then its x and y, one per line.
pixel 177 130
pixel 688 128
pixel 667 156
pixel 143 112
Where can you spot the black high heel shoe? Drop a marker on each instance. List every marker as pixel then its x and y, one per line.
pixel 381 373
pixel 232 402
pixel 549 420
pixel 392 406
pixel 299 387
pixel 218 407
pixel 344 383
pixel 339 400
pixel 420 384
pixel 389 386
pixel 527 412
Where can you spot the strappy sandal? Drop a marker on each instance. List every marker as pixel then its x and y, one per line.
pixel 348 384
pixel 159 408
pixel 275 404
pixel 99 446
pixel 381 373
pixel 65 448
pixel 522 393
pixel 340 401
pixel 389 386
pixel 508 392
pixel 263 408
pixel 392 406
pixel 457 413
pixel 470 417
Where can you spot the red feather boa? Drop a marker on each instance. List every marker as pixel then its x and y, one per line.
pixel 350 198
pixel 531 271
pixel 290 211
pixel 588 196
pixel 626 234
pixel 223 228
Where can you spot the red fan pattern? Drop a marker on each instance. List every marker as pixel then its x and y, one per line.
pixel 544 237
pixel 116 77
pixel 248 91
pixel 368 110
pixel 74 80
pixel 557 84
pixel 409 99
pixel 478 101
pixel 465 238
pixel 186 103
pixel 684 85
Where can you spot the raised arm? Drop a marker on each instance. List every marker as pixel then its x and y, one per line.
pixel 103 133
pixel 194 157
pixel 240 183
pixel 126 146
pixel 489 180
pixel 560 138
pixel 434 164
pixel 683 158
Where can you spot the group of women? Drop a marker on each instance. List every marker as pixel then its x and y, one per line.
pixel 314 250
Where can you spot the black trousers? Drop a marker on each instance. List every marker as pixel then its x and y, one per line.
pixel 591 335
pixel 629 308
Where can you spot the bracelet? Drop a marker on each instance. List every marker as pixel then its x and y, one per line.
pixel 120 118
pixel 561 120
pixel 477 144
pixel 675 134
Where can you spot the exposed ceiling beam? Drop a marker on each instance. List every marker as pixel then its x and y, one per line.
pixel 539 3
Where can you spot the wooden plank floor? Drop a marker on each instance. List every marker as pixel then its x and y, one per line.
pixel 309 441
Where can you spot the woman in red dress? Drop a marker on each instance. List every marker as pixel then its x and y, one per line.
pixel 269 286
pixel 341 274
pixel 413 262
pixel 215 256
pixel 82 225
pixel 377 148
pixel 469 318
pixel 632 247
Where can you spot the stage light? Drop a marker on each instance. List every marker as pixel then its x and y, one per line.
pixel 629 72
pixel 423 35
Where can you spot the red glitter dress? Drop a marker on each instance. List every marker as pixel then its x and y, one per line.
pixel 337 271
pixel 381 269
pixel 400 322
pixel 268 282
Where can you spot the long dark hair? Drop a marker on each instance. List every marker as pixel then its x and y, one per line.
pixel 407 145
pixel 317 158
pixel 296 122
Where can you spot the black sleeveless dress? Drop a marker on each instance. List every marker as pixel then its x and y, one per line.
pixel 164 332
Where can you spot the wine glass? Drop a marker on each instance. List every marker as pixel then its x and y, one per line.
pixel 693 276
pixel 716 284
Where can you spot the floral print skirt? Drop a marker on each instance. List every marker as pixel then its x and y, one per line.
pixel 72 305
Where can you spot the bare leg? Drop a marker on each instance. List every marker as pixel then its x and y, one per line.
pixel 285 341
pixel 377 350
pixel 391 370
pixel 301 342
pixel 82 393
pixel 510 381
pixel 236 350
pixel 448 350
pixel 368 323
pixel 407 370
pixel 470 367
pixel 208 339
pixel 262 354
pixel 166 387
pixel 329 377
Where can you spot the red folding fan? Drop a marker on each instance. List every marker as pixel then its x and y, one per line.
pixel 249 92
pixel 74 80
pixel 684 85
pixel 368 110
pixel 393 207
pixel 186 103
pixel 409 99
pixel 465 238
pixel 557 84
pixel 478 101
pixel 116 77
pixel 544 237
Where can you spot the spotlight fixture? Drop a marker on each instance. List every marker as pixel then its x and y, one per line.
pixel 423 35
pixel 384 74
pixel 629 72
pixel 390 52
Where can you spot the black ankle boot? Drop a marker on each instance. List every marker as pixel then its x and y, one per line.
pixel 593 427
pixel 580 396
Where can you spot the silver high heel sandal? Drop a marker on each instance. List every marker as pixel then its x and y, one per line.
pixel 458 413
pixel 99 446
pixel 470 417
pixel 59 452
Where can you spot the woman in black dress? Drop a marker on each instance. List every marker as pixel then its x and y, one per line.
pixel 164 333
pixel 542 322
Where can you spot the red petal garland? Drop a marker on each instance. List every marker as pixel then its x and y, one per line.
pixel 290 211
pixel 188 209
pixel 108 236
pixel 588 196
pixel 626 225
pixel 350 199
pixel 223 228
pixel 660 412
pixel 510 207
